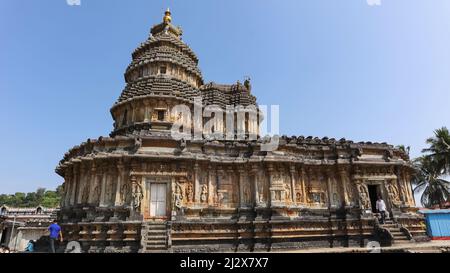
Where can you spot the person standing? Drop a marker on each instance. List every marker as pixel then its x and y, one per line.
pixel 55 233
pixel 381 207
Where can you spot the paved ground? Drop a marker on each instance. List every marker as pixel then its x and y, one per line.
pixel 426 247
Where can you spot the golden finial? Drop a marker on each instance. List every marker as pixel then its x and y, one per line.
pixel 167 17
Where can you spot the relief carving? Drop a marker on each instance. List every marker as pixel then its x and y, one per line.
pixel 137 194
pixel 190 193
pixel 364 196
pixel 393 193
pixel 204 194
pixel 178 196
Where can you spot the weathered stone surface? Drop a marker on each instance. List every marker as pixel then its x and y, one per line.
pixel 215 195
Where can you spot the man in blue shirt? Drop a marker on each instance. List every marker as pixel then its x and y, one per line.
pixel 55 232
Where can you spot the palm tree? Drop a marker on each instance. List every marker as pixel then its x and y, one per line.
pixel 428 178
pixel 439 148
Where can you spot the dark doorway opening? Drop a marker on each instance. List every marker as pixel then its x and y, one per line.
pixel 3 239
pixel 373 195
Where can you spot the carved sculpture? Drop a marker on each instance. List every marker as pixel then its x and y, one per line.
pixel 298 197
pixel 178 196
pixel 287 192
pixel 137 195
pixel 204 194
pixel 190 193
pixel 364 196
pixel 124 193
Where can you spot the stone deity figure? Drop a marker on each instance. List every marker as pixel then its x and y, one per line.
pixel 178 196
pixel 364 197
pixel 124 193
pixel 204 194
pixel 190 193
pixel 137 196
pixel 287 192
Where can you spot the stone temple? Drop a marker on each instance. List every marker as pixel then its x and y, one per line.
pixel 141 190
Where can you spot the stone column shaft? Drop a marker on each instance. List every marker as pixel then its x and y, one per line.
pixel 103 190
pixel 196 183
pixel 117 199
pixel 293 183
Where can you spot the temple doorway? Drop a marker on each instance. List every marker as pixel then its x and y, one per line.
pixel 374 192
pixel 158 204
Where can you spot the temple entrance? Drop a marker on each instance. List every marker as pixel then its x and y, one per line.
pixel 3 239
pixel 158 204
pixel 374 192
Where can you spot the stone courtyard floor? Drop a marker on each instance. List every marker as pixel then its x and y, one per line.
pixel 435 246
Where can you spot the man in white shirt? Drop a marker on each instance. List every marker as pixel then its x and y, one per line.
pixel 381 207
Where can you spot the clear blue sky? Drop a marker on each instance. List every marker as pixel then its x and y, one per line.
pixel 336 68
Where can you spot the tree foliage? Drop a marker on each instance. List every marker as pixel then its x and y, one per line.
pixel 41 197
pixel 432 168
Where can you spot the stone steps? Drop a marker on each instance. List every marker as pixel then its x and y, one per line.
pixel 399 236
pixel 154 237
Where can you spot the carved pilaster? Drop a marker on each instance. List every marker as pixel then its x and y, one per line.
pixel 68 187
pixel 329 176
pixel 256 190
pixel 293 184
pixel 197 190
pixel 211 188
pixel 74 185
pixel 399 185
pixel 303 185
pixel 345 186
pixel 270 172
pixel 241 188
pixel 103 187
pixel 118 196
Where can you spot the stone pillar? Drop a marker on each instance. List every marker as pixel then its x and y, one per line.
pixel 302 179
pixel 74 185
pixel 241 188
pixel 329 174
pixel 309 182
pixel 93 183
pixel 270 171
pixel 117 200
pixel 68 187
pixel 133 113
pixel 344 181
pixel 254 172
pixel 399 185
pixel 211 177
pixel 103 188
pixel 197 190
pixel 82 183
pixel 146 111
pixel 293 183
pixel 408 188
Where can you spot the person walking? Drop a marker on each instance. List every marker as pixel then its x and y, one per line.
pixel 381 207
pixel 55 233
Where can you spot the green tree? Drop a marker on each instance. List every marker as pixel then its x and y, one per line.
pixel 428 178
pixel 41 196
pixel 439 149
